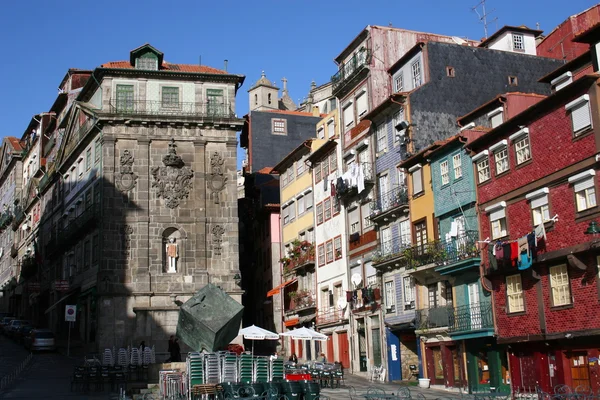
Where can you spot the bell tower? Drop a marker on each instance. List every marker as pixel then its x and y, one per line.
pixel 263 95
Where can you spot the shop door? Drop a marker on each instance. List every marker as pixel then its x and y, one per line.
pixel 437 366
pixel 343 349
pixel 456 366
pixel 580 370
pixel 362 349
pixel 394 362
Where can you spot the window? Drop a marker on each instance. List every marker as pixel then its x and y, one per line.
pixel 398 117
pixel 539 205
pixel 308 199
pixel 483 169
pixel 417 179
pixel 327 207
pixel 354 220
pixel 501 159
pixel 269 98
pixel 366 212
pixel 292 212
pixel 518 43
pixel 330 130
pixel 97 149
pixel 390 297
pixel 329 251
pixel 147 63
pixel 67 183
pixel 348 114
pixel 581 118
pixel 319 213
pixel 300 167
pixel 332 104
pixel 321 255
pixel 513 81
pixel 301 205
pixel 325 166
pixel 383 187
pixel 559 285
pixel 382 137
pixel 170 97
pixel 333 161
pixel 318 173
pixel 337 247
pixel 321 133
pixel 496 117
pixel 88 199
pixel 88 159
pixel 310 235
pixel 522 150
pixel 457 166
pixel 514 292
pixel 497 214
pixel 405 236
pixel 286 215
pixel 585 189
pixel 562 80
pixel 86 254
pixel 215 102
pixel 284 179
pixel 409 292
pixel 444 172
pixel 335 205
pixel 325 298
pixel 399 82
pixel 416 74
pixel 95 249
pixel 124 97
pixel 361 103
pixel 450 72
pixel 279 126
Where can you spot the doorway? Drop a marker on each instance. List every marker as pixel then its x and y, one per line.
pixel 343 349
pixel 457 373
pixel 580 371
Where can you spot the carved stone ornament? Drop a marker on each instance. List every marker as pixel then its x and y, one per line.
pixel 127 178
pixel 217 232
pixel 173 181
pixel 217 180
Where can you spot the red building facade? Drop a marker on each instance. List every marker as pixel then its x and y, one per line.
pixel 540 169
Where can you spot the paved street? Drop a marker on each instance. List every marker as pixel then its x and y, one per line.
pixel 48 377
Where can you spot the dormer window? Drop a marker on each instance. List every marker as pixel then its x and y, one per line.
pixel 146 58
pixel 146 63
pixel 518 42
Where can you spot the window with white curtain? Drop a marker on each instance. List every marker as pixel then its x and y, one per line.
pixel 444 172
pixel 409 292
pixel 559 284
pixel 539 206
pixel 585 189
pixel 361 103
pixel 390 296
pixel 497 213
pixel 514 292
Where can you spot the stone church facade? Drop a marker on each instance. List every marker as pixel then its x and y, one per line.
pixel 138 202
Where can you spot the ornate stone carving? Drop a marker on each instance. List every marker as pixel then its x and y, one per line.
pixel 126 232
pixel 173 181
pixel 127 178
pixel 217 180
pixel 217 232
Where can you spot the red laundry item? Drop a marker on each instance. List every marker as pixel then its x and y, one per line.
pixel 332 188
pixel 377 294
pixel 514 253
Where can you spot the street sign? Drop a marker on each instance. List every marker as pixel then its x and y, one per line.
pixel 70 313
pixel 61 286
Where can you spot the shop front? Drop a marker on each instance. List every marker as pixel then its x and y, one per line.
pixel 444 363
pixel 487 366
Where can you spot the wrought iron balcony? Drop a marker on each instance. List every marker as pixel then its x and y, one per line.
pixel 472 317
pixel 388 202
pixel 5 219
pixel 350 70
pixel 79 225
pixel 28 267
pixel 178 109
pixel 304 259
pixel 301 300
pixel 457 249
pixel 348 187
pixel 389 251
pixel 18 219
pixel 435 317
pixel 329 315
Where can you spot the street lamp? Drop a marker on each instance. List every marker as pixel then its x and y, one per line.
pixel 592 229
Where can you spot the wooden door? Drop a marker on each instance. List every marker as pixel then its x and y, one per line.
pixel 456 366
pixel 330 356
pixel 343 349
pixel 580 370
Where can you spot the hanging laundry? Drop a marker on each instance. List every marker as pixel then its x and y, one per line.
pixel 492 258
pixel 453 229
pixel 377 294
pixel 349 296
pixel 540 236
pixel 532 246
pixel 333 192
pixel 499 251
pixel 524 261
pixel 523 247
pixel 360 180
pixel 506 252
pixel 514 253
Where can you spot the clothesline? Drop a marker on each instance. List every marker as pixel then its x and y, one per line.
pixel 487 240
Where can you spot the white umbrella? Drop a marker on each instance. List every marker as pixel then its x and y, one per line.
pixel 305 334
pixel 254 332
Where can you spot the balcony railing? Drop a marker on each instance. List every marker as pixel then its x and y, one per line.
pixel 78 225
pixel 303 260
pixel 180 109
pixel 472 317
pixel 357 240
pixel 395 198
pixel 435 317
pixel 28 267
pixel 5 219
pixel 301 300
pixel 348 186
pixel 389 250
pixel 14 250
pixel 457 249
pixel 329 315
pixel 350 69
pixel 19 217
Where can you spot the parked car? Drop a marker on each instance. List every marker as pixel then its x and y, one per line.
pixel 14 325
pixel 40 339
pixel 4 324
pixel 23 331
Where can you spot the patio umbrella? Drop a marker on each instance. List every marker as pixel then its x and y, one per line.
pixel 305 334
pixel 254 332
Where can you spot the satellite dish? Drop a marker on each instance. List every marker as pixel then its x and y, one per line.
pixel 356 279
pixel 342 303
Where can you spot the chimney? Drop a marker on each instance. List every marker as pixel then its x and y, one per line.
pixel 315 111
pixel 225 66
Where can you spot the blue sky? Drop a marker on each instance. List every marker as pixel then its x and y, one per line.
pixel 297 39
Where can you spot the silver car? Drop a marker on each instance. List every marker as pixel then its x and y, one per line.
pixel 40 339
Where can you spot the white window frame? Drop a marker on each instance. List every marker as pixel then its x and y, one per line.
pixel 308 200
pixel 584 187
pixel 286 215
pixel 522 145
pixel 482 163
pixel 561 81
pixel 560 288
pixel 445 174
pixel 321 132
pixel 496 117
pixel 300 167
pixel 279 126
pixel 514 293
pixel 382 137
pixel 413 170
pixel 390 296
pixel 581 117
pixel 497 215
pixel 408 286
pixel 399 82
pixel 330 129
pixel 362 103
pixel 301 205
pixel 518 42
pixel 538 201
pixel 457 165
pixel 501 161
pixel 348 114
pixel 417 79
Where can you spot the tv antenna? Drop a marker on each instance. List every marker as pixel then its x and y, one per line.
pixel 483 15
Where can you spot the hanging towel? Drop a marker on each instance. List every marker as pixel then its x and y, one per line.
pixel 506 250
pixel 453 229
pixel 540 233
pixel 523 247
pixel 532 246
pixel 499 251
pixel 360 179
pixel 333 193
pixel 514 253
pixel 491 257
pixel 524 261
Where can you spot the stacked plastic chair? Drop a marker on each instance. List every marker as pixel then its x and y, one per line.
pixel 246 368
pixel 135 358
pixel 107 358
pixel 147 356
pixel 277 370
pixel 229 366
pixel 153 358
pixel 195 369
pixel 261 369
pixel 122 358
pixel 211 368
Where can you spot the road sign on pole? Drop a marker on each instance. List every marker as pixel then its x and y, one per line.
pixel 70 313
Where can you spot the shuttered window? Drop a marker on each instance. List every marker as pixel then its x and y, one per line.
pixel 361 103
pixel 514 292
pixel 417 181
pixel 581 117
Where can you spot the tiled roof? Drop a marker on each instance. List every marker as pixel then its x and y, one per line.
pixel 201 69
pixel 290 112
pixel 265 170
pixel 15 143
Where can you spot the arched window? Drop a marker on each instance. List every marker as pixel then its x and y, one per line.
pixel 269 97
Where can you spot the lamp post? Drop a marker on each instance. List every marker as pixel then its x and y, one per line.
pixel 592 229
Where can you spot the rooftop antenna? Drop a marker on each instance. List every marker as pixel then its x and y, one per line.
pixel 483 16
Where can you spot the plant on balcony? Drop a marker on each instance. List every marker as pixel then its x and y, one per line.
pixel 300 252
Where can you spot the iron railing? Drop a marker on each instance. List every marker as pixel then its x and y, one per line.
pixel 472 317
pixel 397 197
pixel 351 68
pixel 183 109
pixel 78 225
pixel 329 315
pixel 389 250
pixel 459 248
pixel 301 300
pixel 434 317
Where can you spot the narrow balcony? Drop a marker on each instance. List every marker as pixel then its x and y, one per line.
pixel 389 253
pixel 208 110
pixel 357 240
pixel 301 300
pixel 350 72
pixel 458 253
pixel 471 317
pixel 78 226
pixel 389 205
pixel 5 220
pixel 14 250
pixel 358 175
pixel 329 315
pixel 432 318
pixel 302 256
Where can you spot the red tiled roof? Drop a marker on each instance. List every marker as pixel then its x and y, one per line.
pixel 15 143
pixel 265 170
pixel 290 112
pixel 202 69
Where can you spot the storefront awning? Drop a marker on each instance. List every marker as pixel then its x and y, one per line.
pixel 292 322
pixel 277 289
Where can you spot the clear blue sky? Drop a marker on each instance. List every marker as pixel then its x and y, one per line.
pixel 297 39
